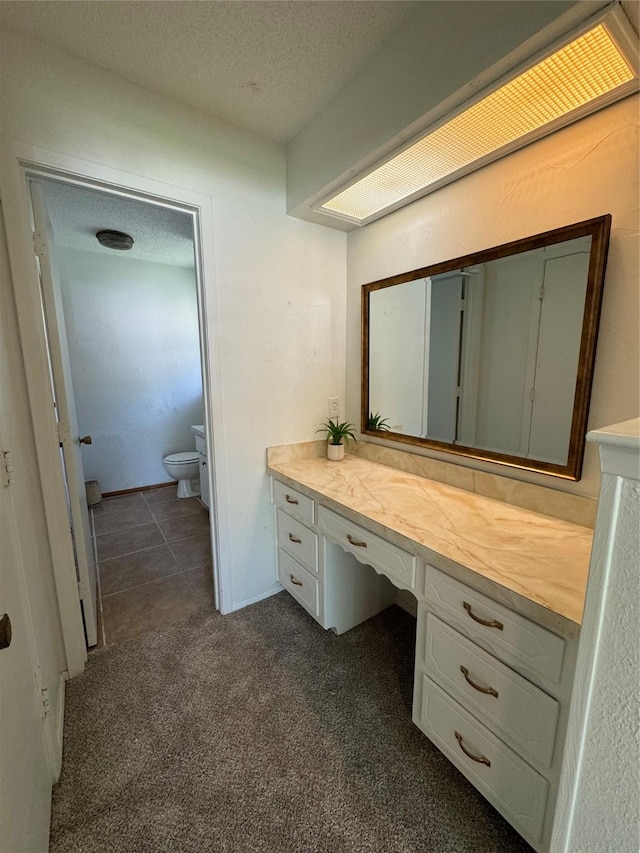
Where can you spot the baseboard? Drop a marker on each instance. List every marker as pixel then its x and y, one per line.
pixel 254 599
pixel 138 489
pixel 407 601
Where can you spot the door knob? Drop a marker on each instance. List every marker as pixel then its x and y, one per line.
pixel 5 631
pixel 85 439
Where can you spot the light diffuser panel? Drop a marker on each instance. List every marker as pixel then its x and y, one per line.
pixel 566 81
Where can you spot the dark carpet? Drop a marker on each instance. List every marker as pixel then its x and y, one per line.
pixel 259 731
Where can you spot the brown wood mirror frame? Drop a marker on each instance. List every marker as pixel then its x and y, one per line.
pixel 594 233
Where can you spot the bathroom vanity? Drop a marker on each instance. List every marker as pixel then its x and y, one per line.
pixel 201 448
pixel 499 592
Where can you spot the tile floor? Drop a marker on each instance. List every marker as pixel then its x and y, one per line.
pixel 154 562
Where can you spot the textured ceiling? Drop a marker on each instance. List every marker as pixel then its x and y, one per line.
pixel 160 235
pixel 265 66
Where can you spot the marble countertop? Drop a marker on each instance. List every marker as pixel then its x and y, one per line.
pixel 540 558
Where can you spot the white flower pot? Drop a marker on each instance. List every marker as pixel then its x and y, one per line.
pixel 335 452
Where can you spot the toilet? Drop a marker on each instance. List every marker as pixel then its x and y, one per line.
pixel 185 468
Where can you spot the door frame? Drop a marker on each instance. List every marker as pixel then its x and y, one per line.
pixel 22 161
pixel 64 397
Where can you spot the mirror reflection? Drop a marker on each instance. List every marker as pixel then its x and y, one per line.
pixel 485 357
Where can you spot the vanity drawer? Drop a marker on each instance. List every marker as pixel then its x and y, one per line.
pixel 298 582
pixel 508 635
pixel 515 788
pixel 293 502
pixel 298 540
pixel 398 565
pixel 506 702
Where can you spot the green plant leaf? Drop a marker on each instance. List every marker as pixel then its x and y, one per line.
pixel 337 432
pixel 377 422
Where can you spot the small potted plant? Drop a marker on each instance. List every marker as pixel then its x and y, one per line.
pixel 337 433
pixel 378 422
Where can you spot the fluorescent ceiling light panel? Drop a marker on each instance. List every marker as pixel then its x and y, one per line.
pixel 532 104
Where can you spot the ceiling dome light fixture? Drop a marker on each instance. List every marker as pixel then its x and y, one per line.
pixel 114 239
pixel 575 77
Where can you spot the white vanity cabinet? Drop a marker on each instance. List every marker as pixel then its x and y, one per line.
pixel 297 547
pixel 383 556
pixel 333 583
pixel 496 587
pixel 491 691
pixel 201 447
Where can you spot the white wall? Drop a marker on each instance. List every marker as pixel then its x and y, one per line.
pixel 134 347
pixel 607 815
pixel 396 363
pixel 280 282
pixel 583 171
pixel 598 804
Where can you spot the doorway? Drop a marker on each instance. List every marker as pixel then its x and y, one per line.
pixel 135 334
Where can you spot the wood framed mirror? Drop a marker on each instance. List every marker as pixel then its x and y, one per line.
pixel 490 355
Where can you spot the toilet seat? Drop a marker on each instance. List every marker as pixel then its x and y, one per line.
pixel 186 458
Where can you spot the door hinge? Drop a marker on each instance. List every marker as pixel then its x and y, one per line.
pixel 63 432
pixel 83 590
pixel 7 468
pixel 532 395
pixel 39 245
pixel 46 701
pixel 541 292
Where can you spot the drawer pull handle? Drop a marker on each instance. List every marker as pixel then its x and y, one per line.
pixel 295 581
pixel 290 500
pixel 490 691
pixel 489 623
pixel 292 538
pixel 481 759
pixel 355 542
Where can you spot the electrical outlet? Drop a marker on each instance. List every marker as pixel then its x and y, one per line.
pixel 334 407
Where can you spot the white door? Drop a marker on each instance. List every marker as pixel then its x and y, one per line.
pixel 565 284
pixel 25 775
pixel 444 357
pixel 506 352
pixel 66 413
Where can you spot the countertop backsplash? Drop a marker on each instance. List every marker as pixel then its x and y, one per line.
pixel 551 502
